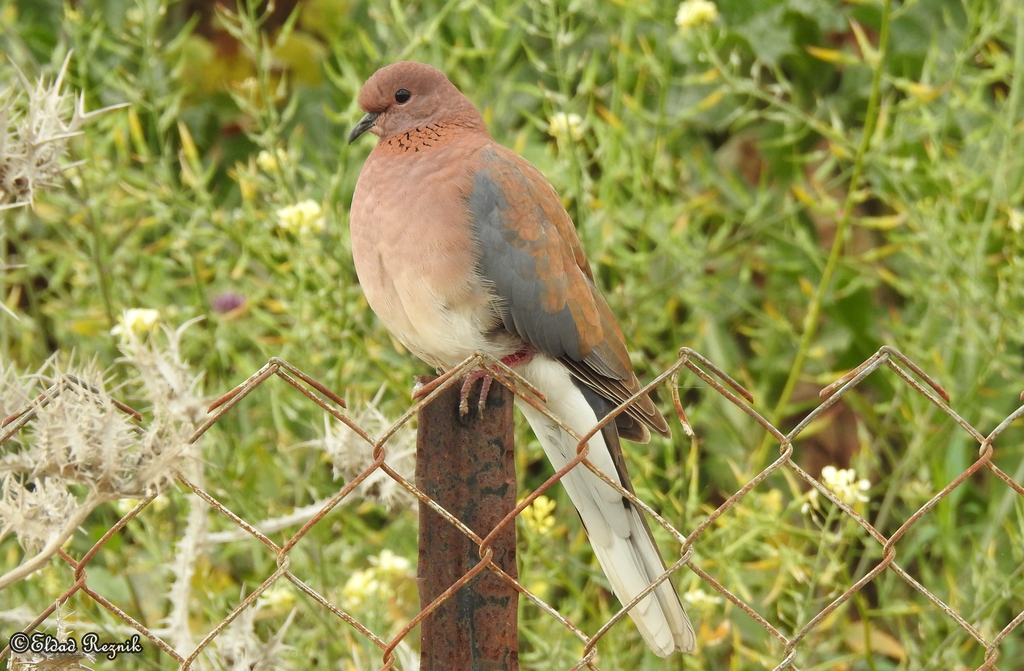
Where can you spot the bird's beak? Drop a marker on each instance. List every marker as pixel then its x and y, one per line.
pixel 364 125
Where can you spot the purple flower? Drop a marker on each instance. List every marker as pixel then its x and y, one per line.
pixel 228 301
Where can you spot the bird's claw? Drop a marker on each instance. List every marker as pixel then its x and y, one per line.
pixel 467 385
pixel 516 358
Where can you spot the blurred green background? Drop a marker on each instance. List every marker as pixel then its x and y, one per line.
pixel 785 187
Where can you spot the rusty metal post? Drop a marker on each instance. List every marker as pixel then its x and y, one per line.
pixel 466 465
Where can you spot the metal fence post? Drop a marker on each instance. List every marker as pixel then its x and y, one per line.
pixel 466 465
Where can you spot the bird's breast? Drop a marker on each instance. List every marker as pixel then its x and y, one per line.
pixel 417 261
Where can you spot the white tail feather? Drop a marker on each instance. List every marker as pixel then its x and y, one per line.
pixel 620 539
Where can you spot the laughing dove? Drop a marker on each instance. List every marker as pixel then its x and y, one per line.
pixel 461 246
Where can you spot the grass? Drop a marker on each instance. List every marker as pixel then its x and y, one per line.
pixel 784 190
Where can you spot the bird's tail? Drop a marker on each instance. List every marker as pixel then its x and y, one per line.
pixel 618 532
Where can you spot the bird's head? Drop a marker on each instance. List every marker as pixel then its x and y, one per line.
pixel 406 95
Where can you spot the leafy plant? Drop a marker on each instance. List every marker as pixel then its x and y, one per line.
pixel 784 186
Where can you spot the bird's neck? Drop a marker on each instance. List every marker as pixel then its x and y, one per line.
pixel 430 136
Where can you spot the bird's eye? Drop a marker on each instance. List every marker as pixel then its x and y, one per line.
pixel 402 96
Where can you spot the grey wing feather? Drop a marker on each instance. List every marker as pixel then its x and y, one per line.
pixel 513 272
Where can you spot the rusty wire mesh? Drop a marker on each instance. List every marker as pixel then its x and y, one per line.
pixel 716 379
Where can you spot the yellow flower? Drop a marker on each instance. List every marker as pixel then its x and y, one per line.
pixel 267 161
pixel 248 189
pixel 844 483
pixel 701 600
pixel 158 504
pixel 271 161
pixel 378 584
pixel 1016 220
pixel 277 596
pixel 301 218
pixel 137 321
pixel 538 515
pixel 694 13
pixel 249 87
pixel 392 565
pixel 564 127
pixel 360 587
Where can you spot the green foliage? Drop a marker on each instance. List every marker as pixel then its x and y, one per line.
pixel 857 162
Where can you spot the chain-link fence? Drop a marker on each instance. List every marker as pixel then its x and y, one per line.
pixel 689 363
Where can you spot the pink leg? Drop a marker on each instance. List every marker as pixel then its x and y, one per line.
pixel 467 383
pixel 512 360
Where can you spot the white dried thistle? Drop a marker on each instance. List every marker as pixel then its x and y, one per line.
pixel 80 436
pixel 34 140
pixel 79 439
pixel 35 513
pixel 173 392
pixel 351 455
pixel 240 647
pixel 53 661
pixel 14 390
pixel 167 380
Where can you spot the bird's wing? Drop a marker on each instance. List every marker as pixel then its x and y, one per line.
pixel 530 253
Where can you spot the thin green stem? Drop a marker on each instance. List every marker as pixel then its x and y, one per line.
pixel 5 333
pixel 814 309
pixel 96 250
pixel 821 555
pixel 554 21
pixel 860 603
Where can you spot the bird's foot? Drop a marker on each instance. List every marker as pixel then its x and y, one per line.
pixel 467 384
pixel 512 360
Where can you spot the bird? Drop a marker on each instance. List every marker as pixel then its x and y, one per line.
pixel 461 246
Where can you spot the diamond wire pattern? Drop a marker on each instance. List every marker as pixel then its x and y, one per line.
pixel 907 371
